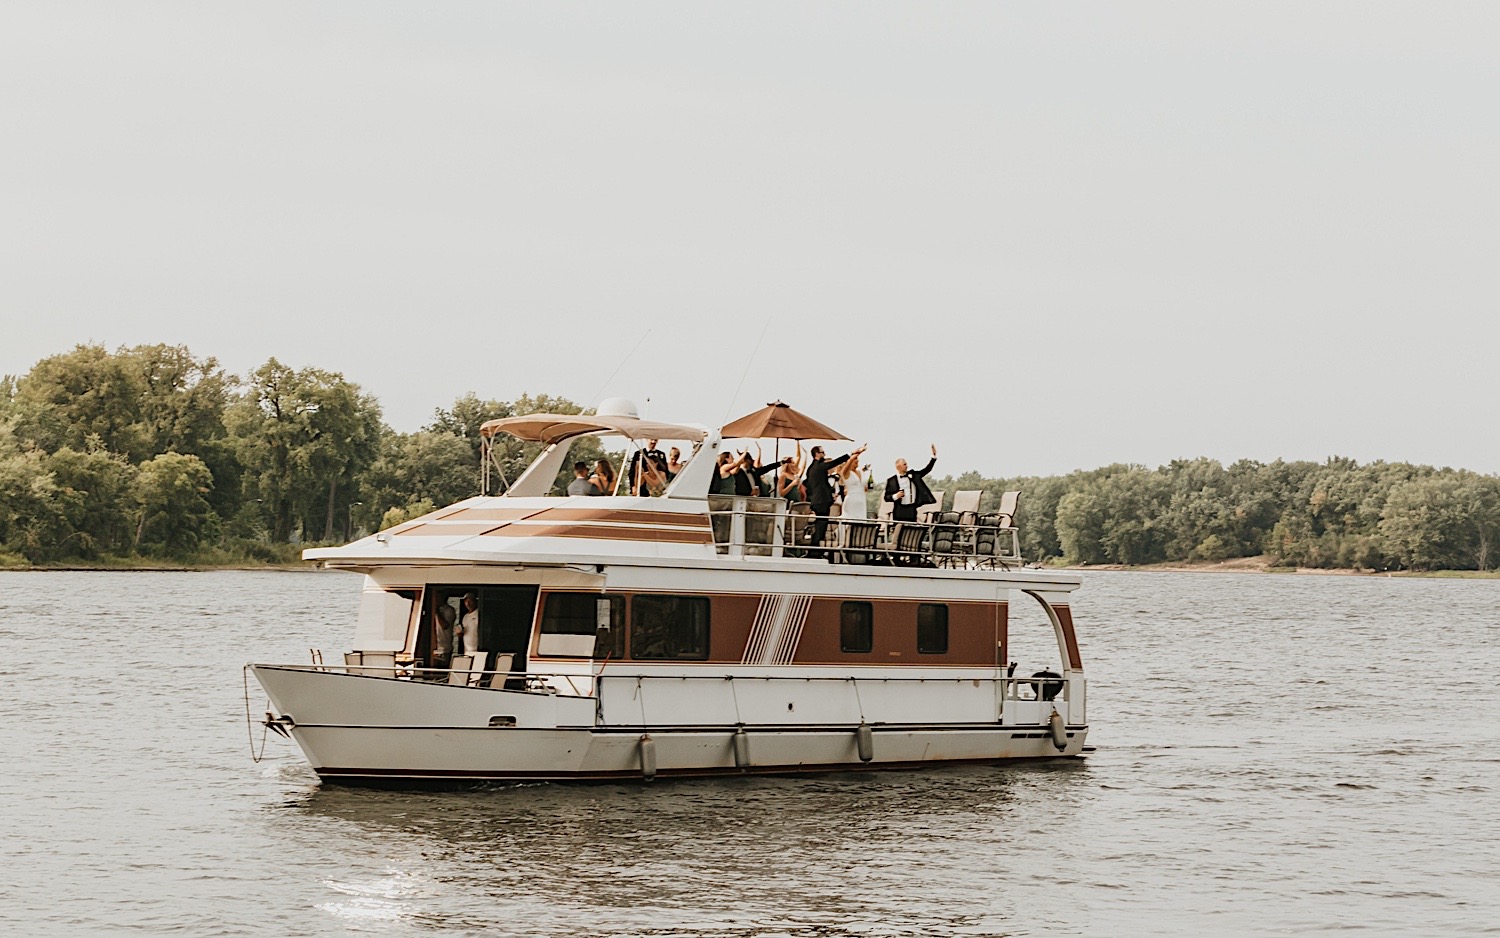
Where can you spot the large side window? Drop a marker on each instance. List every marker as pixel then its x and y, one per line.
pixel 856 628
pixel 932 629
pixel 669 627
pixel 571 627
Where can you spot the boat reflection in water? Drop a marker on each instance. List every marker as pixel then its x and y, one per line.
pixel 681 634
pixel 757 855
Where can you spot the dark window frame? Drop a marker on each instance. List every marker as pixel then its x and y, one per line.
pixel 641 633
pixel 868 623
pixel 616 621
pixel 925 645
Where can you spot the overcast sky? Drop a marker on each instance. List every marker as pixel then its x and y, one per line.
pixel 1043 236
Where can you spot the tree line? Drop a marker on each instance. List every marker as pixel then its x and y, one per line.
pixel 152 451
pixel 1332 514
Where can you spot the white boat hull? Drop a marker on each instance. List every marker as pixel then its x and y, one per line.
pixel 370 730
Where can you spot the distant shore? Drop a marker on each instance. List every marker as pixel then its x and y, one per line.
pixel 1235 565
pixel 1260 564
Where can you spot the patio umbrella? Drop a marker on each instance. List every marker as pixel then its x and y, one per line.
pixel 779 422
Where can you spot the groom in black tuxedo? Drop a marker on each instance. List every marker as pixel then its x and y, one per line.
pixel 907 491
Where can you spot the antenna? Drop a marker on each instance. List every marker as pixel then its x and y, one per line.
pixel 595 399
pixel 746 373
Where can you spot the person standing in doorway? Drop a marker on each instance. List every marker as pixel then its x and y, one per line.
pixel 442 635
pixel 907 490
pixel 469 624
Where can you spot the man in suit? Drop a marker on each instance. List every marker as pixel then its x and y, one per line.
pixel 907 490
pixel 819 491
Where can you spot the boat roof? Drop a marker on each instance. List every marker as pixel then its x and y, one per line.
pixel 592 530
pixel 554 428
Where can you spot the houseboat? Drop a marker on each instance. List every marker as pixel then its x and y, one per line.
pixel 631 637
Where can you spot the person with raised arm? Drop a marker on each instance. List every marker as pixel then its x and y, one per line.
pixel 820 490
pixel 907 490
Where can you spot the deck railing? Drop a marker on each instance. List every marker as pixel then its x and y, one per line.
pixel 1042 686
pixel 767 527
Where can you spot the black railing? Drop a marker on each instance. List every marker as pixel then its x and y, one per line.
pixel 748 526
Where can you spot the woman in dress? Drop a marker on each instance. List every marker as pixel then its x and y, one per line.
pixel 603 477
pixel 789 478
pixel 852 483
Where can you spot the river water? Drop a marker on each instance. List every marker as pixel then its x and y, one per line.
pixel 1277 754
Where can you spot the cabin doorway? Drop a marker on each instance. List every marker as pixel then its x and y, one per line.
pixel 505 617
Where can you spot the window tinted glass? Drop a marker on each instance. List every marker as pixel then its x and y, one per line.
pixel 856 627
pixel 932 629
pixel 669 627
pixel 577 614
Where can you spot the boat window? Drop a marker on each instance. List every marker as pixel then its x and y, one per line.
pixel 669 627
pixel 932 629
pixel 856 627
pixel 571 626
pixel 385 618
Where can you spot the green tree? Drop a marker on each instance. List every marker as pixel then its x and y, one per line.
pixel 174 513
pixel 32 518
pixel 1450 520
pixel 95 491
pixel 303 436
pixel 432 466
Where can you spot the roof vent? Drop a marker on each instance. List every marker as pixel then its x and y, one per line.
pixel 617 407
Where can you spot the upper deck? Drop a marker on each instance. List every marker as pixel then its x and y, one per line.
pixel 683 528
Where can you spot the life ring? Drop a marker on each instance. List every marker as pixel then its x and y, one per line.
pixel 1058 730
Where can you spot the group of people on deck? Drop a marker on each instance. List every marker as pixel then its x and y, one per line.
pixel 812 477
pixel 648 473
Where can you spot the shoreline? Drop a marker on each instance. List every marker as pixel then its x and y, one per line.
pixel 1260 565
pixel 1256 565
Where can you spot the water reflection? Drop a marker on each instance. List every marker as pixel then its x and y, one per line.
pixel 860 851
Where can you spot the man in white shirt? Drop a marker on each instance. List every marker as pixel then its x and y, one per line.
pixel 469 624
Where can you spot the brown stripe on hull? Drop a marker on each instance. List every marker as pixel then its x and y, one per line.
pixel 623 515
pixel 605 533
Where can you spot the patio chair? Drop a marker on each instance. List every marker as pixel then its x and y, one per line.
pixel 379 664
pixel 476 674
pixel 967 503
pixel 988 540
pixel 352 662
pixel 1009 502
pixel 859 541
pixel 459 667
pixel 503 663
pixel 926 512
pixel 948 547
pixel 798 525
pixel 911 545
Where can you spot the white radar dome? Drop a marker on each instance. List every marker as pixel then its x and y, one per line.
pixel 617 407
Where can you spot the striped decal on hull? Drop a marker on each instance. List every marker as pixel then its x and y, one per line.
pixel 777 628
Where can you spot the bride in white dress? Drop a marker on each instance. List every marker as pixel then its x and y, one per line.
pixel 852 482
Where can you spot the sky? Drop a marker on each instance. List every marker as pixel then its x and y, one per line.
pixel 1041 236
